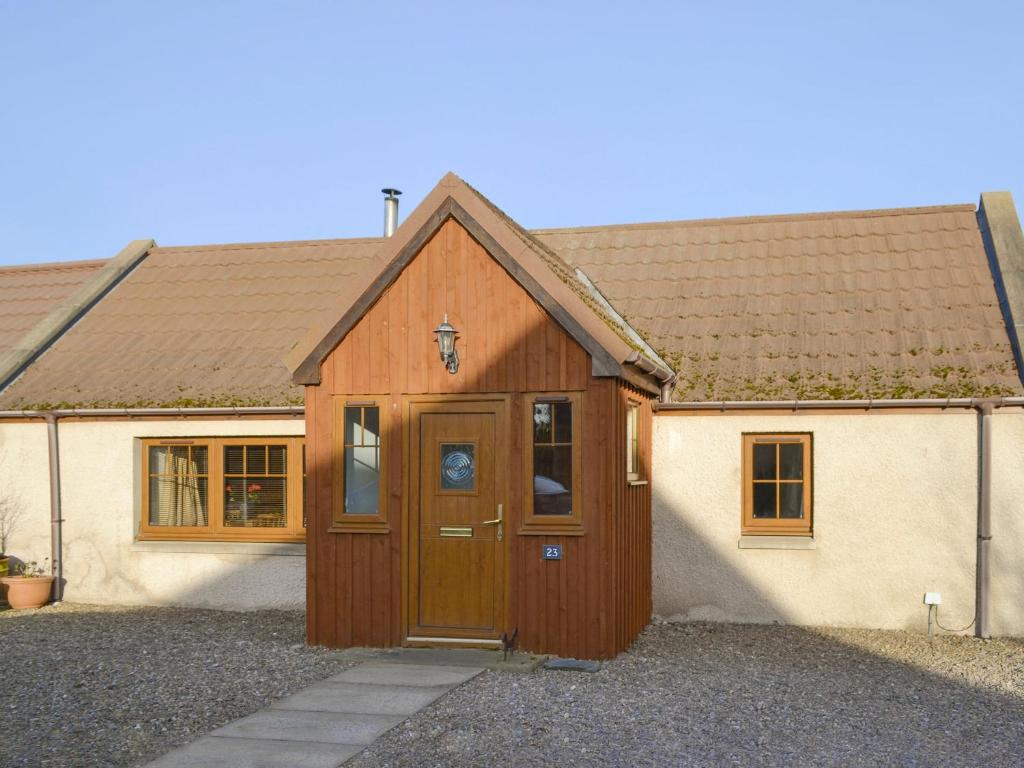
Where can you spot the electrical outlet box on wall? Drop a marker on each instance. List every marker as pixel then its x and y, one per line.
pixel 932 598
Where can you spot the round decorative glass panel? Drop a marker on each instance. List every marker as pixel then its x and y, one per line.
pixel 458 466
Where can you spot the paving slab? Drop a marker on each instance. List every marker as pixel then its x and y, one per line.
pixel 214 752
pixel 328 727
pixel 363 698
pixel 451 657
pixel 325 724
pixel 407 674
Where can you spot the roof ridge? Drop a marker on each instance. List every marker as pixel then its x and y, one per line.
pixel 767 218
pixel 269 244
pixel 53 266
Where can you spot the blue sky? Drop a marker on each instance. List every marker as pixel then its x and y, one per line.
pixel 210 122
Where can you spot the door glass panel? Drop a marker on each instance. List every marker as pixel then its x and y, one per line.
pixel 458 467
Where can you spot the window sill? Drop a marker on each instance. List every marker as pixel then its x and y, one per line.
pixel 632 483
pixel 777 542
pixel 220 548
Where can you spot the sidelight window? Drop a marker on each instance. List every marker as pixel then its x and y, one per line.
pixel 553 448
pixel 359 500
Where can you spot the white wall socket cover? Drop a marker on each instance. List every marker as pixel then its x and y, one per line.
pixel 932 598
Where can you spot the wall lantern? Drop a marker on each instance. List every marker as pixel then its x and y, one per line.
pixel 446 344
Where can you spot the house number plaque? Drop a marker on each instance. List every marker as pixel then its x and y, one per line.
pixel 551 551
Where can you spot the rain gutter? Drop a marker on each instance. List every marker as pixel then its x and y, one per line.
pixel 665 377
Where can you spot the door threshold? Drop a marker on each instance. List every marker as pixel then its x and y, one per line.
pixel 456 642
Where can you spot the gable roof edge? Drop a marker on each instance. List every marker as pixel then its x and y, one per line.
pixel 1004 246
pixel 610 349
pixel 43 334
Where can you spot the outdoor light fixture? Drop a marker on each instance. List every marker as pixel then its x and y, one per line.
pixel 446 344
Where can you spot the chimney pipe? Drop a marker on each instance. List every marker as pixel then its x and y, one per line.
pixel 390 210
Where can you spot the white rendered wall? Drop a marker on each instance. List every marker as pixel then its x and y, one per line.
pixel 103 563
pixel 895 515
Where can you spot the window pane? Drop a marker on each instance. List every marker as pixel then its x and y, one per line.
pixel 353 428
pixel 458 466
pixel 178 500
pixel 255 459
pixel 157 460
pixel 563 422
pixel 542 422
pixel 791 461
pixel 234 462
pixel 371 426
pixel 764 499
pixel 255 502
pixel 552 480
pixel 764 462
pixel 362 480
pixel 791 500
pixel 200 458
pixel 278 459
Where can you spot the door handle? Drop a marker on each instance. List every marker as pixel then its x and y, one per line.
pixel 498 522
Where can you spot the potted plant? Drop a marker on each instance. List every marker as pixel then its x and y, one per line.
pixel 30 586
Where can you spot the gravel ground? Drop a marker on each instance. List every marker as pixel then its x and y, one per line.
pixel 716 694
pixel 97 686
pixel 89 686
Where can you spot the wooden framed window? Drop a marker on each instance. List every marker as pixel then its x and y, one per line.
pixel 360 464
pixel 553 445
pixel 777 484
pixel 632 441
pixel 223 489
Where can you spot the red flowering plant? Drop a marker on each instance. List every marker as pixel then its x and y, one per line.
pixel 252 491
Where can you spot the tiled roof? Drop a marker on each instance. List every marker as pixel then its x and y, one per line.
pixel 29 293
pixel 204 325
pixel 878 304
pixel 870 304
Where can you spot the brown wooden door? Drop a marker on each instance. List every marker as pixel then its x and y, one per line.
pixel 458 467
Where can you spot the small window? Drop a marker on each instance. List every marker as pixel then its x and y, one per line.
pixel 359 463
pixel 240 489
pixel 777 484
pixel 553 453
pixel 632 441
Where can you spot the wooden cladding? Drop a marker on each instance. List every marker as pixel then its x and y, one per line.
pixel 506 342
pixel 592 602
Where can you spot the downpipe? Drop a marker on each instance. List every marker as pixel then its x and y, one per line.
pixel 982 595
pixel 56 518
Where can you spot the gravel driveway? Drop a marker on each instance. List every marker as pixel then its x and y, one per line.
pixel 90 686
pixel 86 686
pixel 716 694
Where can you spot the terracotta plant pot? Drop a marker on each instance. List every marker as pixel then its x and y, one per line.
pixel 27 591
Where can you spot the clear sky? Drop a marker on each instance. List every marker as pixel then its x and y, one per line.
pixel 205 122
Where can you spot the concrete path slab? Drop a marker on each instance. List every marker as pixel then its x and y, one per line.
pixel 451 657
pixel 406 674
pixel 363 697
pixel 214 752
pixel 327 727
pixel 325 724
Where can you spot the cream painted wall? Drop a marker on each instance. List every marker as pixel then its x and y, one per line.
pixel 102 561
pixel 25 479
pixel 1007 549
pixel 895 515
